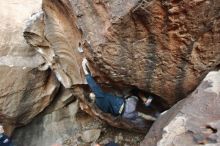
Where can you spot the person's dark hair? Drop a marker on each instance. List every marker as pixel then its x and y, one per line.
pixel 134 91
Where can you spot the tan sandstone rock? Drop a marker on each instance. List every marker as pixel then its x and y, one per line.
pixel 55 36
pixel 193 121
pixel 163 47
pixel 60 123
pixel 25 91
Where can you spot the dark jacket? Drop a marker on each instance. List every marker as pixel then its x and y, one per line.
pixel 4 140
pixel 106 102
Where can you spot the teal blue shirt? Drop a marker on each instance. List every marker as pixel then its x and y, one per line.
pixel 106 102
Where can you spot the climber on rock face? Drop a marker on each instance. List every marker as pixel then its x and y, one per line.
pixel 114 105
pixel 4 139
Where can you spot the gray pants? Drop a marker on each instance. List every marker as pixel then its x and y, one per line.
pixel 130 112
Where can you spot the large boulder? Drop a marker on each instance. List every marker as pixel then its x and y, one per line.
pixel 193 121
pixel 25 91
pixel 56 37
pixel 164 47
pixel 55 125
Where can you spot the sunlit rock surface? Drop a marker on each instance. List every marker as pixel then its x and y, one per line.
pixel 193 121
pixel 25 91
pixel 55 36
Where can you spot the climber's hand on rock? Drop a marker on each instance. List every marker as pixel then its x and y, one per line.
pixel 85 66
pixel 85 61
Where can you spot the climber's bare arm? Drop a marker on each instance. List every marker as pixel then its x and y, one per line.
pixel 146 100
pixel 85 66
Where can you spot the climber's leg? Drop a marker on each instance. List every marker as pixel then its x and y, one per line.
pixel 130 107
pixel 139 122
pixel 131 114
pixel 134 118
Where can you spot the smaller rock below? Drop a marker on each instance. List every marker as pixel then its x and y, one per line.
pixel 91 135
pixel 119 138
pixel 105 141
